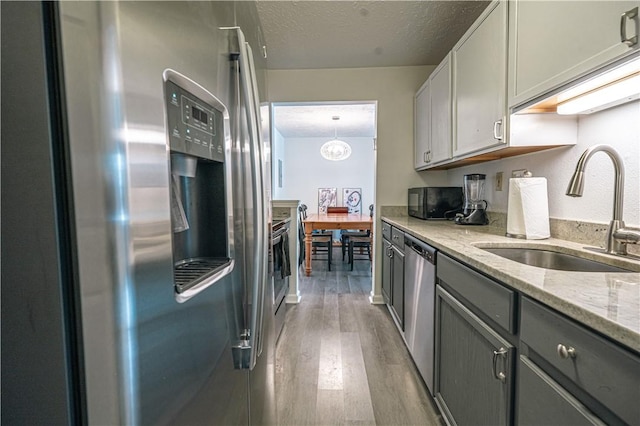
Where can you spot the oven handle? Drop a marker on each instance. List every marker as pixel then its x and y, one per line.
pixel 278 237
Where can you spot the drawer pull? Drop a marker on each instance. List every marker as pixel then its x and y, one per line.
pixel 498 374
pixel 566 352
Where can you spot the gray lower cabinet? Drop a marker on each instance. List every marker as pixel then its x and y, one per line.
pixel 386 271
pixel 602 375
pixel 542 401
pixel 397 284
pixel 474 375
pixel 393 271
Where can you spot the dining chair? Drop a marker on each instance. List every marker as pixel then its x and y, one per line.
pixel 319 232
pixel 319 243
pixel 363 243
pixel 346 234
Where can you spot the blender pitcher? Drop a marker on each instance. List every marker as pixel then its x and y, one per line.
pixel 474 211
pixel 474 192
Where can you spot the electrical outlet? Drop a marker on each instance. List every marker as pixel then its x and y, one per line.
pixel 499 181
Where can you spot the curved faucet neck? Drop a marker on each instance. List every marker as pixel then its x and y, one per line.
pixel 618 166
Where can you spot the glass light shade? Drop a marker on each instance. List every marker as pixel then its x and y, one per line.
pixel 335 150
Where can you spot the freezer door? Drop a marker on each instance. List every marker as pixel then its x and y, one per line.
pixel 148 358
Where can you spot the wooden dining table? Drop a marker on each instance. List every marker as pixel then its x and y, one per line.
pixel 329 222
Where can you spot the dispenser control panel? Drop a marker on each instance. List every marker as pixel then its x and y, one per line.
pixel 194 127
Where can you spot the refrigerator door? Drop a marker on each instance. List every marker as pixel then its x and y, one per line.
pixel 133 354
pixel 40 363
pixel 148 358
pixel 262 340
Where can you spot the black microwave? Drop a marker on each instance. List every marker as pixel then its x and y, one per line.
pixel 435 202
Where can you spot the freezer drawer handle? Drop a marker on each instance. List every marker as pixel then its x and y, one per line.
pixel 241 352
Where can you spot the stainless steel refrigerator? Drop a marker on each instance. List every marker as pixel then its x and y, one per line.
pixel 136 284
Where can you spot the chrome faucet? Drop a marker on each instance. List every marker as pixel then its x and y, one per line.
pixel 617 235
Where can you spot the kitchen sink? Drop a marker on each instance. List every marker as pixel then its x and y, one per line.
pixel 550 259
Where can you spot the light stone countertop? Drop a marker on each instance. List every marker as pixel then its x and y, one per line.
pixel 606 302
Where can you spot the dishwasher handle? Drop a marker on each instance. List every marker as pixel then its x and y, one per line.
pixel 422 249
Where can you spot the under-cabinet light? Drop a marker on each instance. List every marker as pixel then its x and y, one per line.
pixel 625 90
pixel 625 70
pixel 614 87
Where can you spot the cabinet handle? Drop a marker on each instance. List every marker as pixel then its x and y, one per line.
pixel 498 374
pixel 629 14
pixel 427 156
pixel 495 129
pixel 566 352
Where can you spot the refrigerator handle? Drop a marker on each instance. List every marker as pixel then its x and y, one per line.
pixel 265 210
pixel 247 80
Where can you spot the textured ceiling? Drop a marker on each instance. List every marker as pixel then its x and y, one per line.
pixel 306 120
pixel 356 34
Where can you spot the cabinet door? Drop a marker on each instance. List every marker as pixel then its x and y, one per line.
pixel 474 366
pixel 386 271
pixel 422 125
pixel 440 146
pixel 553 42
pixel 397 271
pixel 479 83
pixel 542 401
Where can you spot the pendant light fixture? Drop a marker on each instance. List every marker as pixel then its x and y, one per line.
pixel 335 149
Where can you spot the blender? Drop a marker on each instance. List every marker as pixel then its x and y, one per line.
pixel 475 207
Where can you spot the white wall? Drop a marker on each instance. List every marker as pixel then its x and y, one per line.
pixel 305 171
pixel 618 127
pixel 277 153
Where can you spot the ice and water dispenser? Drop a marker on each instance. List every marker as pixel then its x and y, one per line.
pixel 201 212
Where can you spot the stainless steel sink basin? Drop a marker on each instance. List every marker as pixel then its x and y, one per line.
pixel 553 260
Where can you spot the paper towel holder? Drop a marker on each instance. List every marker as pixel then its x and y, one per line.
pixel 524 173
pixel 536 227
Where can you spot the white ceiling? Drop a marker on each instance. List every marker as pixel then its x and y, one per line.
pixel 316 120
pixel 316 34
pixel 354 34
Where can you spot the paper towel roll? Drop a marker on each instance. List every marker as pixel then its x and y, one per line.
pixel 528 209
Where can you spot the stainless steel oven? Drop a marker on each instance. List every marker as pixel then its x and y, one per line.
pixel 281 271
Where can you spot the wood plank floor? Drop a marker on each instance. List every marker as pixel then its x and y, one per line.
pixel 341 361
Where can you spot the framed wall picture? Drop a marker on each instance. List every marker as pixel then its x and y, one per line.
pixel 352 198
pixel 327 197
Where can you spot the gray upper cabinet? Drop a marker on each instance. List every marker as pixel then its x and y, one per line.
pixel 479 83
pixel 441 112
pixel 433 118
pixel 422 126
pixel 554 42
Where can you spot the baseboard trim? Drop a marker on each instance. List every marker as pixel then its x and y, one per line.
pixel 376 299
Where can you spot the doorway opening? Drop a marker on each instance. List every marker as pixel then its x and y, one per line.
pixel 300 172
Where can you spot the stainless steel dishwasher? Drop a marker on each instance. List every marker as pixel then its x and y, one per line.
pixel 419 302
